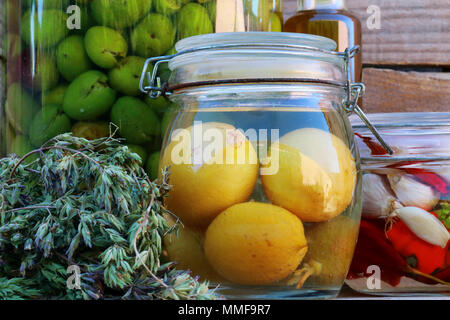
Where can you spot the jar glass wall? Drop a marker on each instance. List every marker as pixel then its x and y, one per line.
pixel 403 246
pixel 74 66
pixel 317 188
pixel 265 176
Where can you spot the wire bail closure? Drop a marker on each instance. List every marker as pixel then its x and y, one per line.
pixel 356 91
pixel 155 88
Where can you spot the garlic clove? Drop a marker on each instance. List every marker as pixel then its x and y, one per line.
pixel 424 225
pixel 412 193
pixel 378 200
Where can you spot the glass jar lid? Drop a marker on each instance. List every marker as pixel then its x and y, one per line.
pixel 251 57
pixel 257 55
pixel 417 136
pixel 247 38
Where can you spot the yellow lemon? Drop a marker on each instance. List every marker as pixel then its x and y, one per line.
pixel 255 243
pixel 316 175
pixel 212 167
pixel 185 247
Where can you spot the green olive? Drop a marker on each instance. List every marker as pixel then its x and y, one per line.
pixel 167 119
pixel 21 146
pixel 168 7
pixel 152 165
pixel 193 19
pixel 91 130
pixel 20 108
pixel 153 36
pixel 106 47
pixel 139 150
pixel 48 27
pixel 48 123
pixel 72 59
pixel 88 96
pixel 126 75
pixel 119 14
pixel 137 123
pixel 54 96
pixel 45 75
pixel 158 105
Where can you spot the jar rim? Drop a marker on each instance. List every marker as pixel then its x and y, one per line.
pixel 248 38
pixel 405 119
pixel 250 56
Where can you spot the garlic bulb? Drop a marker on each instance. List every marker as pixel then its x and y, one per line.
pixel 378 200
pixel 424 225
pixel 412 193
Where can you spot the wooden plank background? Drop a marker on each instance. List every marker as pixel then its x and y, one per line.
pixel 412 31
pixel 397 91
pixel 406 61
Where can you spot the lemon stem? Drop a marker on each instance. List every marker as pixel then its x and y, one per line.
pixel 305 274
pixel 309 269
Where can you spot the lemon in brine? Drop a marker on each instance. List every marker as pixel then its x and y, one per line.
pixel 185 248
pixel 315 176
pixel 212 167
pixel 255 243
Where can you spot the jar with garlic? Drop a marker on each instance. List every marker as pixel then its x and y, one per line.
pixel 403 244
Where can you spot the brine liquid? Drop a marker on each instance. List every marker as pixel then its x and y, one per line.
pixel 283 120
pixel 331 242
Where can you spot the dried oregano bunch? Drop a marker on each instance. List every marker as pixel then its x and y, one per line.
pixel 80 219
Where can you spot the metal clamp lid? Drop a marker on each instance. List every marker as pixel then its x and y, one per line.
pixel 154 88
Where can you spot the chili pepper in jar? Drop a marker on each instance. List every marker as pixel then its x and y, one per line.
pixel 418 253
pixel 373 249
pixel 375 148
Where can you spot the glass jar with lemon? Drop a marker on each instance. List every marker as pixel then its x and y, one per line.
pixel 262 162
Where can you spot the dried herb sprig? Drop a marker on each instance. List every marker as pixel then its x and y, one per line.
pixel 89 205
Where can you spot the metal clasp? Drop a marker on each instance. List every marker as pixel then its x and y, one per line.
pixel 356 90
pixel 155 88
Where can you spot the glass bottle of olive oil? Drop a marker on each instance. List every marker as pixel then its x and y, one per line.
pixel 331 19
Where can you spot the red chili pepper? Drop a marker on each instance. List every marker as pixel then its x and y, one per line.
pixel 373 249
pixel 429 257
pixel 444 274
pixel 375 148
